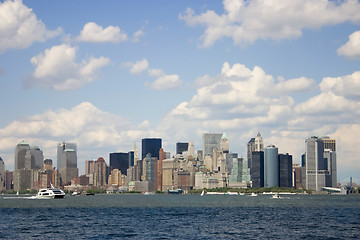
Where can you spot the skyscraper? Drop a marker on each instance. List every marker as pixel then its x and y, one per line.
pixel 330 159
pixel 250 149
pixel 315 164
pixel 60 149
pixel 210 142
pixel 2 174
pixel 181 147
pixel 285 170
pixel 22 156
pixel 101 173
pixel 152 146
pixel 257 169
pixel 271 166
pixel 122 161
pixel 68 168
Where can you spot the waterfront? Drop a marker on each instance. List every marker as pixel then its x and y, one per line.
pixel 181 217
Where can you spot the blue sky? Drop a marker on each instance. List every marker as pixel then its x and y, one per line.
pixel 110 73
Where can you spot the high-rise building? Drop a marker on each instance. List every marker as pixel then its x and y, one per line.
pixel 250 149
pixel 181 147
pixel 240 173
pixel 315 164
pixel 121 161
pixel 330 159
pixel 224 143
pixel 257 169
pixel 152 146
pixel 2 175
pixel 259 143
pixel 101 173
pixel 37 157
pixel 9 180
pixel 60 149
pixel 271 166
pixel 162 156
pixel 22 156
pixel 285 170
pixel 210 142
pixel 89 167
pixel 68 168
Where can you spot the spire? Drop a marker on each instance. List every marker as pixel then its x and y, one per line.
pixel 224 136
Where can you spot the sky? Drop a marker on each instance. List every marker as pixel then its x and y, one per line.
pixel 105 74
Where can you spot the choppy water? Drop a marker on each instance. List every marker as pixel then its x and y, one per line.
pixel 181 217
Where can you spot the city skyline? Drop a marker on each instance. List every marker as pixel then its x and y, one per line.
pixel 113 73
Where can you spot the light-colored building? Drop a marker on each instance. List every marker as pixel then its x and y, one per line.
pixel 100 175
pixel 68 168
pixel 210 142
pixel 115 178
pixel 60 149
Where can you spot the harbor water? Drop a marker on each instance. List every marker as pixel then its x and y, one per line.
pixel 180 217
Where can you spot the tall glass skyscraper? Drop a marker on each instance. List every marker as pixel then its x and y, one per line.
pixel 271 166
pixel 152 146
pixel 60 149
pixel 210 142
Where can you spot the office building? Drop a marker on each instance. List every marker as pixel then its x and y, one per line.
pixel 315 164
pixel 210 142
pixel 68 168
pixel 257 169
pixel 89 167
pixel 285 170
pixel 101 173
pixel 271 166
pixel 224 143
pixel 250 149
pixel 330 159
pixel 152 146
pixel 2 175
pixel 122 161
pixel 22 156
pixel 60 149
pixel 181 147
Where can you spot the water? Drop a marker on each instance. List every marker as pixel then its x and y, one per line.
pixel 181 217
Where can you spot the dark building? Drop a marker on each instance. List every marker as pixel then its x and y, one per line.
pixel 285 171
pixel 250 149
pixel 150 145
pixel 121 161
pixel 181 147
pixel 257 169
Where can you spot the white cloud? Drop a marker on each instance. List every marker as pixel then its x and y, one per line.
pixel 93 32
pixel 351 49
pixel 56 68
pixel 137 35
pixel 166 82
pixel 139 66
pixel 96 132
pixel 163 81
pixel 246 21
pixel 348 85
pixel 19 26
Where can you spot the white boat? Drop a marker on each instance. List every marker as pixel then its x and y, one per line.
pixel 253 195
pixel 76 193
pixel 49 193
pixel 232 193
pixel 202 193
pixel 276 196
pixel 148 193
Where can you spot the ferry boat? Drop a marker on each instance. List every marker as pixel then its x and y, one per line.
pixel 49 193
pixel 276 195
pixel 176 191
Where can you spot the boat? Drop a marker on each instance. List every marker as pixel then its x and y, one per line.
pixel 216 193
pixel 176 191
pixel 148 193
pixel 276 196
pixel 49 193
pixel 232 193
pixel 253 194
pixel 76 193
pixel 202 193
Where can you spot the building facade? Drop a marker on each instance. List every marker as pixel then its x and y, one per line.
pixel 271 166
pixel 152 146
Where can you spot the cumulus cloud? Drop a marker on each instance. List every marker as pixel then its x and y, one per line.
pixel 163 81
pixel 246 21
pixel 139 66
pixel 96 132
pixel 19 26
pixel 93 32
pixel 348 85
pixel 351 49
pixel 56 68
